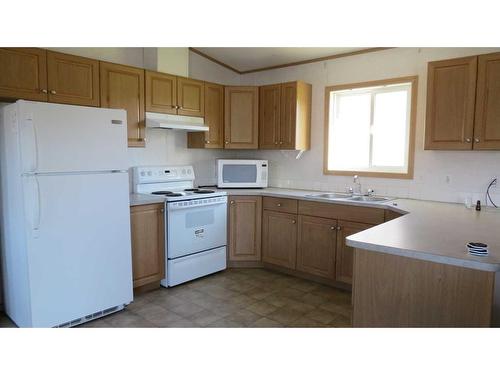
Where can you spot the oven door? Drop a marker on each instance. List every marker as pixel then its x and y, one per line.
pixel 196 225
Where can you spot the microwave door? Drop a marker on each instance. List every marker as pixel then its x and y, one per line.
pixel 240 175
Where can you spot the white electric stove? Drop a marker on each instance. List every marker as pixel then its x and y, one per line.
pixel 195 220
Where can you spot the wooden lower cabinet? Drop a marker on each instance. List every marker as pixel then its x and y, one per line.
pixel 148 243
pixel 316 245
pixel 279 238
pixel 245 215
pixel 345 254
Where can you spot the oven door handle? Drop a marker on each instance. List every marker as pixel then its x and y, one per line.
pixel 175 206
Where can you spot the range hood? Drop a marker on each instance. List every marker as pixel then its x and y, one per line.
pixel 175 122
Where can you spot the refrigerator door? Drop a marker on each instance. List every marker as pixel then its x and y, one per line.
pixel 67 138
pixel 79 254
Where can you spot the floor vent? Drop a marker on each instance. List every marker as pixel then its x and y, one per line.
pixel 90 317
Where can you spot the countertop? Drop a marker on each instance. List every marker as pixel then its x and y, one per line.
pixel 431 231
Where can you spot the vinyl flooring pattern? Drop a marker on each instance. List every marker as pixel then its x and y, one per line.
pixel 234 298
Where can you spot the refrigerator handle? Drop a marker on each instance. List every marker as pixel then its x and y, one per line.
pixel 37 208
pixel 34 140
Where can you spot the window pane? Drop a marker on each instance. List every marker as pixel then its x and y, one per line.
pixel 390 129
pixel 349 142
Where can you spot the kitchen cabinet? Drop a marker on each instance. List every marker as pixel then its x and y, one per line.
pixel 72 79
pixel 487 119
pixel 451 92
pixel 391 215
pixel 241 123
pixel 285 116
pixel 269 116
pixel 214 119
pixel 161 92
pixel 23 73
pixel 316 245
pixel 123 87
pixel 190 97
pixel 279 238
pixel 345 254
pixel 245 215
pixel 148 246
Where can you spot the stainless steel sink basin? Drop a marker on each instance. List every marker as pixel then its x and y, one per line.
pixel 365 198
pixel 332 195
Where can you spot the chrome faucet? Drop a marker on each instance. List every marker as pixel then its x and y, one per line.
pixel 357 189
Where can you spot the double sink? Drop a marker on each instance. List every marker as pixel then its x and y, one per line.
pixel 350 197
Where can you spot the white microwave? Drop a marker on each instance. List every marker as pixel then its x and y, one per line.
pixel 241 173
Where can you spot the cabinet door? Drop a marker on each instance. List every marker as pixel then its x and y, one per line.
pixel 23 73
pixel 345 254
pixel 269 118
pixel 316 246
pixel 161 92
pixel 279 242
pixel 487 123
pixel 245 214
pixel 148 246
pixel 288 115
pixel 241 128
pixel 72 79
pixel 451 92
pixel 190 97
pixel 122 87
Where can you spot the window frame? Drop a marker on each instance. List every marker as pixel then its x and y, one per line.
pixel 411 141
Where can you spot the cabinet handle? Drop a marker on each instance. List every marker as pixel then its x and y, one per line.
pixel 53 92
pixel 44 91
pixel 281 143
pixel 332 228
pixel 476 140
pixel 181 107
pixel 227 142
pixel 232 202
pixel 173 106
pixel 339 228
pixel 275 143
pixel 162 210
pixel 294 221
pixel 278 204
pixel 467 140
pixel 207 142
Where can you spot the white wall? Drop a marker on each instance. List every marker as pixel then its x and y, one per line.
pixel 469 172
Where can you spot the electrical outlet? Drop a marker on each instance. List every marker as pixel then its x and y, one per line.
pixel 447 179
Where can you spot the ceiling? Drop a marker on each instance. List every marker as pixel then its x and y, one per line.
pixel 244 59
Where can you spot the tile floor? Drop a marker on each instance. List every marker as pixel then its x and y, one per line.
pixel 235 298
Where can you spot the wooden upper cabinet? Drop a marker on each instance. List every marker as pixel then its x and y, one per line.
pixel 122 87
pixel 487 121
pixel 269 116
pixel 72 79
pixel 190 97
pixel 316 246
pixel 241 125
pixel 451 93
pixel 161 92
pixel 295 125
pixel 245 215
pixel 214 119
pixel 148 250
pixel 279 238
pixel 345 254
pixel 23 73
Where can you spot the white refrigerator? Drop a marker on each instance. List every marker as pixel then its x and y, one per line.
pixel 65 223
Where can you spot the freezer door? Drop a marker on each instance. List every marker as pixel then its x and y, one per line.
pixel 67 138
pixel 79 251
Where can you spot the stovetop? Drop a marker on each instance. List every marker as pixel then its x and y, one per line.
pixel 192 193
pixel 175 183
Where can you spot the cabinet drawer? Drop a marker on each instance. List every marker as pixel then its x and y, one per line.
pixel 340 211
pixel 280 204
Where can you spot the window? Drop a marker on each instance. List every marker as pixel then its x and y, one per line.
pixel 370 128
